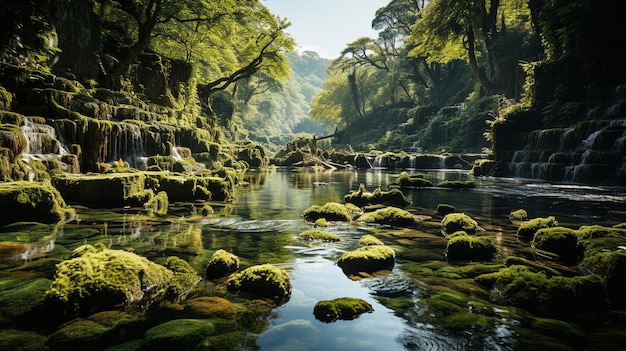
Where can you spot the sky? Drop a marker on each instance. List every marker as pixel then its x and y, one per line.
pixel 326 26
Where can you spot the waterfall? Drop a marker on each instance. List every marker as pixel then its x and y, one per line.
pixel 381 161
pixel 174 153
pixel 44 145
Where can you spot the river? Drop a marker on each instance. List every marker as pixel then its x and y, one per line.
pixel 424 303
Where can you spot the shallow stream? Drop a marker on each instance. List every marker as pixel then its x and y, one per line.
pixel 424 303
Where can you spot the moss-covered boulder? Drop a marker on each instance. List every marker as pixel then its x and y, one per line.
pixel 444 209
pixel 367 259
pixel 559 240
pixel 470 248
pixel 21 340
pixel 391 216
pixel 30 201
pixel 344 308
pixel 158 205
pixel 539 293
pixel 368 240
pixel 454 222
pixel 97 278
pixel 222 264
pixel 331 211
pixel 318 235
pixel 98 190
pixel 527 229
pixel 266 281
pixel 178 334
pixel 406 181
pixel 612 266
pixel 362 197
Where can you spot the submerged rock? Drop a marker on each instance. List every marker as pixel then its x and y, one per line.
pixel 30 201
pixel 406 181
pixel 367 259
pixel 344 308
pixel 266 280
pixel 318 235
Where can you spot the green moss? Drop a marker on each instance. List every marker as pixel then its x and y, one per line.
pixel 222 263
pixel 362 197
pixel 518 215
pixel 595 239
pixel 318 235
pixel 18 296
pixel 560 329
pixel 320 223
pixel 454 222
pixel 209 307
pixel 97 190
pixel 470 248
pixel 158 204
pixel 181 334
pixel 367 259
pixel 29 201
pixel 331 211
pixel 537 292
pixel 368 240
pixel 392 216
pixel 99 279
pixel 21 340
pixel 344 308
pixel 612 266
pixel 559 240
pixel 405 181
pixel 444 209
pixel 265 280
pixel 535 267
pixel 527 229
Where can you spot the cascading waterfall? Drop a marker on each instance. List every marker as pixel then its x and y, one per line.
pixel 44 145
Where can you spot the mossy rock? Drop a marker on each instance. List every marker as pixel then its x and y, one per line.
pixel 536 267
pixel 527 229
pixel 320 223
pixel 178 334
pixel 30 201
pixel 595 238
pixel 444 209
pixel 470 248
pixel 367 259
pixel 20 296
pixel 518 215
pixel 98 279
pixel 222 264
pixel 406 181
pixel 536 292
pixel 362 197
pixel 559 240
pixel 456 184
pixel 391 216
pixel 102 190
pixel 612 266
pixel 483 167
pixel 266 281
pixel 21 340
pixel 318 235
pixel 209 307
pixel 368 240
pixel 344 308
pixel 454 222
pixel 331 211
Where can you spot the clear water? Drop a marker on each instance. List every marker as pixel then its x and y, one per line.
pixel 262 226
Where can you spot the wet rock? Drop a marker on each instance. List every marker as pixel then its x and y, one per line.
pixel 344 308
pixel 178 334
pixel 318 235
pixel 222 264
pixel 99 190
pixel 470 248
pixel 331 211
pixel 454 222
pixel 367 259
pixel 266 280
pixel 518 215
pixel 445 209
pixel 559 240
pixel 527 229
pixel 406 181
pixel 391 216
